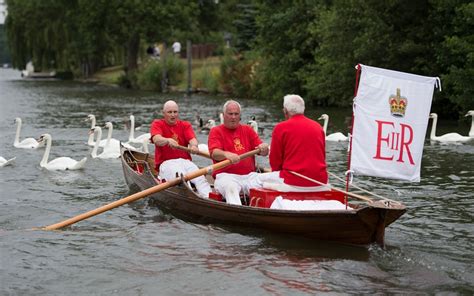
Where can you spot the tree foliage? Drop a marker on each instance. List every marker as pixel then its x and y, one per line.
pixel 308 47
pixel 311 47
pixel 284 46
pixel 4 52
pixel 85 35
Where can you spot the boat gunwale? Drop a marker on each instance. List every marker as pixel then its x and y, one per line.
pixel 148 173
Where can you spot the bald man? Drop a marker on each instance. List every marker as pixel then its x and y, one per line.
pixel 169 133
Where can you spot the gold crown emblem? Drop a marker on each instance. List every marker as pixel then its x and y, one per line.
pixel 398 104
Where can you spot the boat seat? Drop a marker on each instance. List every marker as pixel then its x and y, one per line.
pixel 263 198
pixel 290 188
pixel 216 196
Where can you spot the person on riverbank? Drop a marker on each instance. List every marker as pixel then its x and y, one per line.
pixel 169 133
pixel 298 144
pixel 228 141
pixel 176 48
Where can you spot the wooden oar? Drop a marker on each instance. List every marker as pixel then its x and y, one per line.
pixel 332 187
pixel 200 153
pixel 146 192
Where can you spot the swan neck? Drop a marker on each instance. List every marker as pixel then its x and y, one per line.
pixel 471 131
pixel 109 136
pixel 325 125
pixel 97 142
pixel 90 141
pixel 44 161
pixel 132 128
pixel 17 135
pixel 433 128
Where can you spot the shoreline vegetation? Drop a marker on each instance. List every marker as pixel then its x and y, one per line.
pixel 205 75
pixel 265 49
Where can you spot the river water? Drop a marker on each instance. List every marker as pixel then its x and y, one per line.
pixel 137 250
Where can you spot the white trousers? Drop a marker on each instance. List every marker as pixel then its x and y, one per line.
pixel 171 167
pixel 231 185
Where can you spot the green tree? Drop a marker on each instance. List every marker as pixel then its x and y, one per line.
pixel 4 52
pixel 84 35
pixel 454 45
pixel 387 34
pixel 147 20
pixel 284 46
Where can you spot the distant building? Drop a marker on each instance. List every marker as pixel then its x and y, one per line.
pixel 3 11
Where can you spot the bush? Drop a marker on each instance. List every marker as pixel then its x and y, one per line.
pixel 207 78
pixel 125 81
pixel 237 74
pixel 150 76
pixel 175 68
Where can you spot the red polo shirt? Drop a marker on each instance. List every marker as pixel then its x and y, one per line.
pixel 299 145
pixel 239 141
pixel 182 132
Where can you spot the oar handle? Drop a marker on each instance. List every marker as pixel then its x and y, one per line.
pixel 332 187
pixel 189 150
pixel 146 192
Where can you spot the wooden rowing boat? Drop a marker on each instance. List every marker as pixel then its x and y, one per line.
pixel 361 223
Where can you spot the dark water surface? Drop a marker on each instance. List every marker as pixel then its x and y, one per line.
pixel 137 250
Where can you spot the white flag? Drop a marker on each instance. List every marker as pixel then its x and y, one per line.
pixel 391 113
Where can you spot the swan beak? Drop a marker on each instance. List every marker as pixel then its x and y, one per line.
pixel 91 131
pixel 320 118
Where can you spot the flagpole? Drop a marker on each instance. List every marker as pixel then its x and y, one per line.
pixel 356 88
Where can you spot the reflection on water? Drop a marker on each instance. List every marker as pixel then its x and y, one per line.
pixel 136 249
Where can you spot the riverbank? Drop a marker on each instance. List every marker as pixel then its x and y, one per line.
pixel 205 75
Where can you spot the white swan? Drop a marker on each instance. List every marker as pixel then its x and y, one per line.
pixel 4 162
pixel 131 137
pixel 60 163
pixel 207 127
pixel 90 141
pixel 471 131
pixel 254 124
pixel 446 138
pixel 91 117
pixel 110 143
pixel 221 118
pixel 335 137
pixel 108 152
pixel 28 143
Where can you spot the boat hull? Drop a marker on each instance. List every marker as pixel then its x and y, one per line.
pixel 362 225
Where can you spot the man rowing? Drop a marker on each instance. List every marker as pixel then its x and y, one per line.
pixel 228 141
pixel 168 134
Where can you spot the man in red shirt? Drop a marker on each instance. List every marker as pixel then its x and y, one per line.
pixel 228 141
pixel 299 145
pixel 169 133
